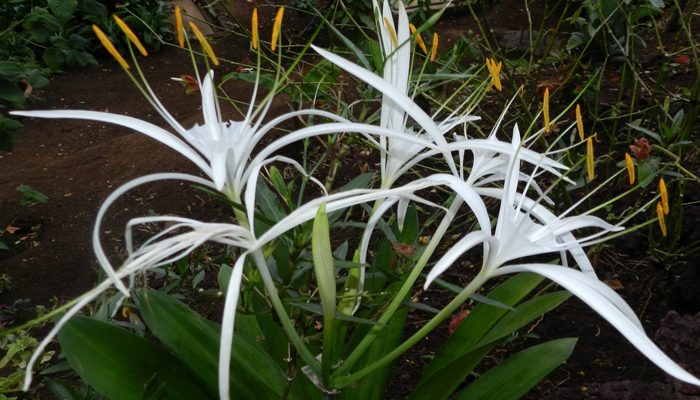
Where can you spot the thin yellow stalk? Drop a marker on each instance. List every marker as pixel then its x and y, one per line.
pixel 255 28
pixel 419 39
pixel 276 28
pixel 589 158
pixel 130 34
pixel 660 215
pixel 204 43
pixel 180 28
pixel 630 167
pixel 547 128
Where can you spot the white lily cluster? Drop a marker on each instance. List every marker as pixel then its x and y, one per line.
pixel 224 152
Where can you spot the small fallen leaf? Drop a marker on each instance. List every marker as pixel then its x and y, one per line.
pixel 683 59
pixel 11 230
pixel 613 284
pixel 456 320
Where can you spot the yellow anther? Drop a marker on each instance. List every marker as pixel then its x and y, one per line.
pixel 419 39
pixel 664 196
pixel 589 158
pixel 109 46
pixel 205 45
pixel 546 111
pixel 255 28
pixel 180 28
pixel 579 121
pixel 433 50
pixel 630 167
pixel 130 34
pixel 392 32
pixel 660 216
pixel 276 28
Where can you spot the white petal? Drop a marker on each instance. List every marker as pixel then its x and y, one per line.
pixel 596 294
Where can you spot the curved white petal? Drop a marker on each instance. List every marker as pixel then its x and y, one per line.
pixel 600 297
pixel 146 128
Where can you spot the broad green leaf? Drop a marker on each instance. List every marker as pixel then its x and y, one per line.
pixel 524 314
pixel 63 9
pixel 269 202
pixel 515 376
pixel 11 94
pixel 442 377
pixel 3 246
pixel 53 58
pixel 195 342
pixel 118 363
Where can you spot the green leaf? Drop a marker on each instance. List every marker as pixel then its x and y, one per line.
pixel 53 58
pixel 11 71
pixel 269 202
pixel 459 355
pixel 3 246
pixel 195 342
pixel 63 9
pixel 118 363
pixel 657 3
pixel 362 60
pixel 523 315
pixel 10 94
pixel 318 310
pixel 576 40
pixel 93 8
pixel 646 132
pixel 37 80
pixel 515 376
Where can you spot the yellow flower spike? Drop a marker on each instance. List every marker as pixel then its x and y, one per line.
pixel 433 50
pixel 276 28
pixel 130 34
pixel 109 46
pixel 495 71
pixel 664 196
pixel 589 158
pixel 547 129
pixel 579 121
pixel 205 45
pixel 630 167
pixel 255 28
pixel 392 32
pixel 180 32
pixel 419 39
pixel 660 215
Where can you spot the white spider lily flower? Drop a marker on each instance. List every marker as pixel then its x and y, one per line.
pixel 158 250
pixel 396 155
pixel 220 149
pixel 517 235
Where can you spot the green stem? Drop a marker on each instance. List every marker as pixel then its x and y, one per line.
pixel 396 302
pixel 473 286
pixel 294 337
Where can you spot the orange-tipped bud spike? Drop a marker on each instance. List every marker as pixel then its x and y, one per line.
pixel 630 167
pixel 547 129
pixel 579 121
pixel 110 46
pixel 130 34
pixel 433 50
pixel 204 43
pixel 419 39
pixel 664 195
pixel 660 216
pixel 254 28
pixel 180 28
pixel 276 28
pixel 589 158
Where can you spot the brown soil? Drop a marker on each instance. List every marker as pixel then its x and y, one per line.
pixel 79 163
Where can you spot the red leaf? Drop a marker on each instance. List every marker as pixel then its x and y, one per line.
pixel 11 230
